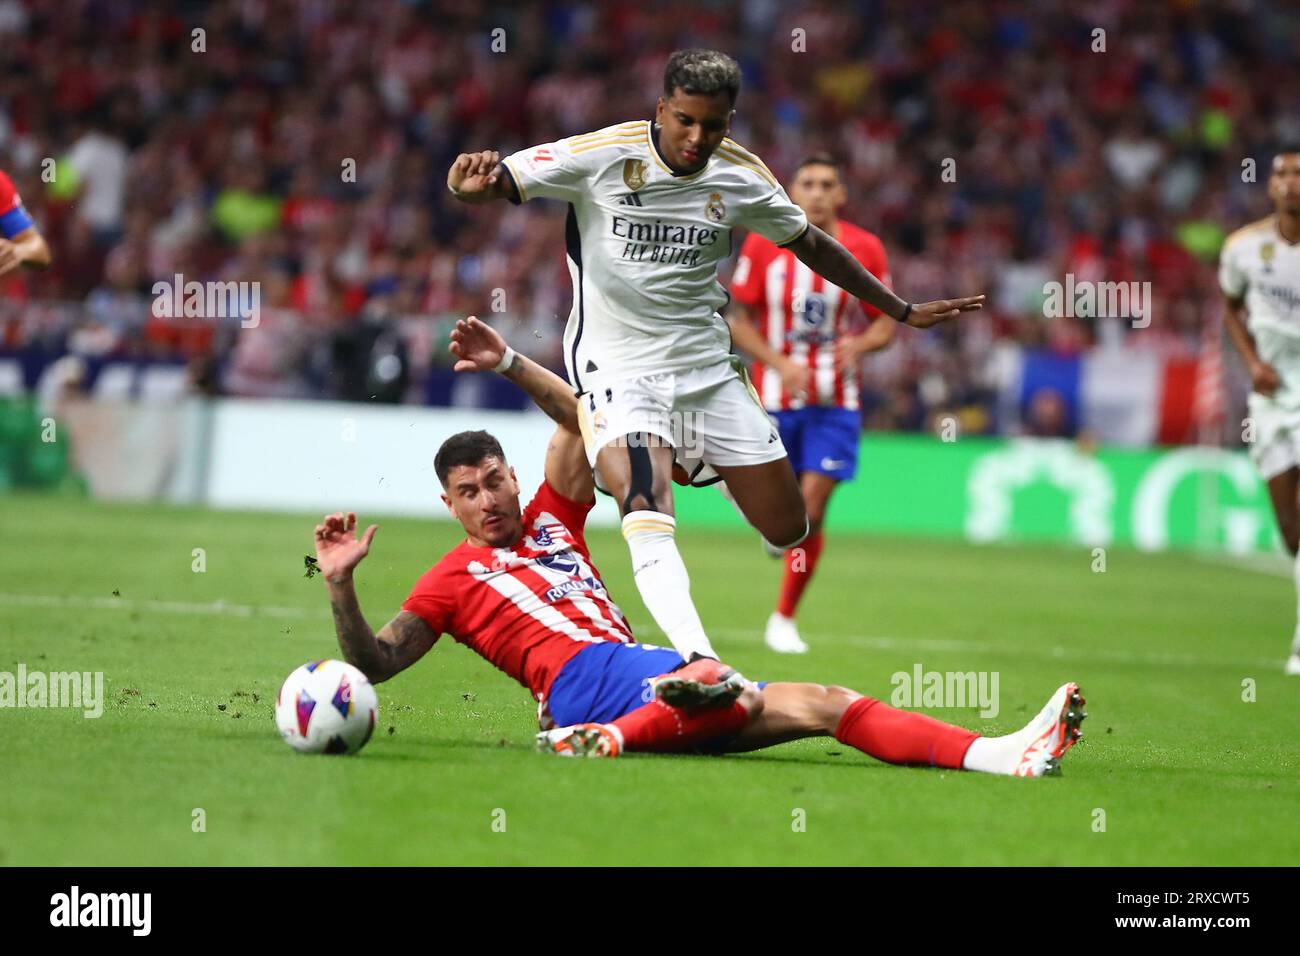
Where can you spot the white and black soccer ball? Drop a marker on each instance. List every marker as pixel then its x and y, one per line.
pixel 327 707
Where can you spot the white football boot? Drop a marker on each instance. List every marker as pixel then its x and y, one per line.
pixel 782 636
pixel 1292 668
pixel 1048 736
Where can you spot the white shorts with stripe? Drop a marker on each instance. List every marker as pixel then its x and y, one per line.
pixel 710 416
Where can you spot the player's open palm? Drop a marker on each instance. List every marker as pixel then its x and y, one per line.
pixel 338 549
pixel 926 314
pixel 477 347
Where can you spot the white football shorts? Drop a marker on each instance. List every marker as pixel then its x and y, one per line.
pixel 1276 447
pixel 710 416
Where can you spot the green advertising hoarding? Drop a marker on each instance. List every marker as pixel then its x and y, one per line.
pixel 1027 489
pixel 30 457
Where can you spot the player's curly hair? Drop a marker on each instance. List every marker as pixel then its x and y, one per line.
pixel 465 448
pixel 702 73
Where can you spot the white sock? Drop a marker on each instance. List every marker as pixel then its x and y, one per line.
pixel 995 754
pixel 663 582
pixel 1295 639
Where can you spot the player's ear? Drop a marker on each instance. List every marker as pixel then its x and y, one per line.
pixel 447 501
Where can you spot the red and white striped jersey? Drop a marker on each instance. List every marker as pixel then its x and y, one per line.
pixel 803 316
pixel 529 608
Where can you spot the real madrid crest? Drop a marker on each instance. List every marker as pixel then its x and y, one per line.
pixel 1266 256
pixel 634 173
pixel 716 210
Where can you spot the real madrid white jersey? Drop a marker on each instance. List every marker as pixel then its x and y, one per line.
pixel 1257 264
pixel 644 244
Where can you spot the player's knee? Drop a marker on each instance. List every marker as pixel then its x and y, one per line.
pixel 787 532
pixel 835 702
pixel 751 698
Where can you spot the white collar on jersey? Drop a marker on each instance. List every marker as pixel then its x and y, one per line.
pixel 654 144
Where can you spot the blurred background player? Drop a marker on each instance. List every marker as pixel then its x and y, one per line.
pixel 1259 272
pixel 21 243
pixel 800 331
pixel 651 208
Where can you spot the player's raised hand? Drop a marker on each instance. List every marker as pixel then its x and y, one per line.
pixel 475 174
pixel 477 346
pixel 338 549
pixel 926 314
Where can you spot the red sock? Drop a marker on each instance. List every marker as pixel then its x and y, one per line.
pixel 656 726
pixel 901 736
pixel 794 581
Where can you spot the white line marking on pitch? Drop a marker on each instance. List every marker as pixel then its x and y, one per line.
pixel 1056 652
pixel 212 609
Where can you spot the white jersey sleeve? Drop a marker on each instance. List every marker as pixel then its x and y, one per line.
pixel 548 171
pixel 773 216
pixel 1232 280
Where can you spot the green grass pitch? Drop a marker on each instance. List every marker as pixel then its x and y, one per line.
pixel 1184 770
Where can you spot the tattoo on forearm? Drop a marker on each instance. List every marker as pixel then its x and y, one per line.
pixel 403 641
pixel 548 402
pixel 557 403
pixel 356 640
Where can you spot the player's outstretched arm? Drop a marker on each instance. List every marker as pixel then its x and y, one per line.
pixel 26 248
pixel 824 255
pixel 401 642
pixel 480 348
pixel 480 177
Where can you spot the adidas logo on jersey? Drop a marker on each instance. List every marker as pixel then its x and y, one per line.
pixel 631 199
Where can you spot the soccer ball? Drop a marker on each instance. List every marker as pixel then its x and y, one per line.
pixel 327 707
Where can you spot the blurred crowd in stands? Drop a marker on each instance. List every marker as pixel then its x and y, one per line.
pixel 303 144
